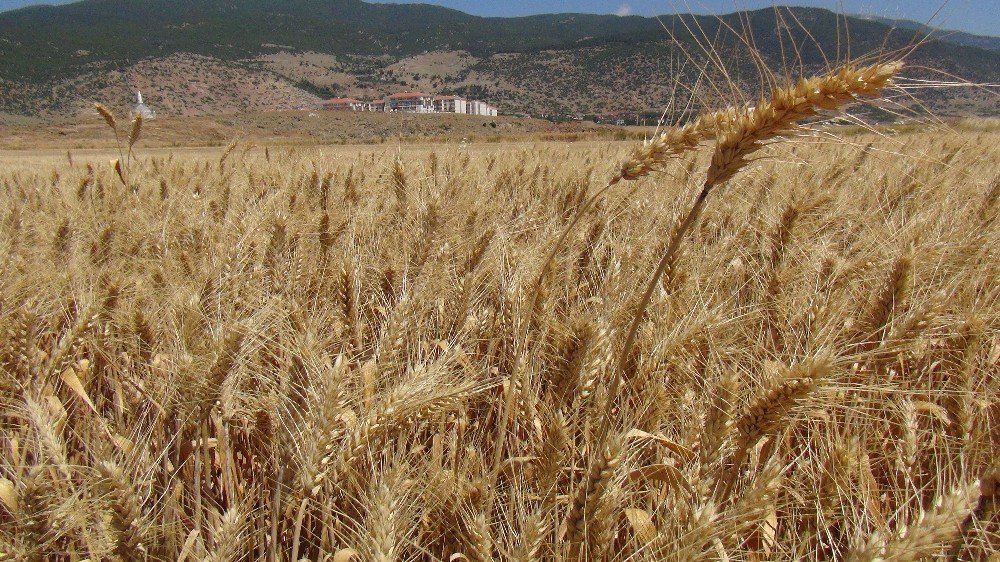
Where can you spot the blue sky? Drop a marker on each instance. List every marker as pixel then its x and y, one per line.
pixel 974 16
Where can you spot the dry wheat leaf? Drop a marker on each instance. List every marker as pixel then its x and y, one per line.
pixel 515 465
pixel 642 524
pixel 933 409
pixel 769 530
pixel 56 408
pixel 720 550
pixel 189 545
pixel 345 555
pixel 8 495
pixel 664 473
pixel 73 382
pixel 640 435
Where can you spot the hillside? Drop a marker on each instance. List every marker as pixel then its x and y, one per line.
pixel 197 56
pixel 181 84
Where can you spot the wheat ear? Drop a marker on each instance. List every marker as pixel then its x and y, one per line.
pixel 746 131
pixel 768 413
pixel 671 143
pixel 127 519
pixel 587 517
pixel 740 134
pixel 136 132
pixel 108 116
pixel 925 537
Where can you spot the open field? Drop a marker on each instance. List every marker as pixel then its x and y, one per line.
pixel 294 128
pixel 32 160
pixel 360 352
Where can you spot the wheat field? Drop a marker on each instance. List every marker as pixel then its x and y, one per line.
pixel 366 354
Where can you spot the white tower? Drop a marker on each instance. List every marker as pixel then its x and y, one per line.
pixel 141 108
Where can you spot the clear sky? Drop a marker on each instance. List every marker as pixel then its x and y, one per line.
pixel 974 16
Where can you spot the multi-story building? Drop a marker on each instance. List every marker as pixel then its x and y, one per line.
pixel 476 107
pixel 413 102
pixel 449 104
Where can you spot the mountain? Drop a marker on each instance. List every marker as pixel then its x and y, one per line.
pixel 191 56
pixel 949 36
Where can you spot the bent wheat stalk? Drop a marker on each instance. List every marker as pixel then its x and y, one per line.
pixel 741 133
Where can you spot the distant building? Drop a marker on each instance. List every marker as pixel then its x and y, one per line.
pixel 476 107
pixel 345 104
pixel 141 108
pixel 412 102
pixel 449 104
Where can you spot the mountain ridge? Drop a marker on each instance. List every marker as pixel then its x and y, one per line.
pixel 954 36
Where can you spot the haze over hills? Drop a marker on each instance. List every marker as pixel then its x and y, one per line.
pixel 191 56
pixel 947 35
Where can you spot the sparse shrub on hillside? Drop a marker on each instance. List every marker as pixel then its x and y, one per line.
pixel 480 354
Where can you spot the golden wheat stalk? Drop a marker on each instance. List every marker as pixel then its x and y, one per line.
pixel 740 134
pixel 653 154
pixel 746 131
pixel 108 115
pixel 136 131
pixel 925 536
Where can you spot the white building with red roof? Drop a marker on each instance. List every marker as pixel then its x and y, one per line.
pixel 414 102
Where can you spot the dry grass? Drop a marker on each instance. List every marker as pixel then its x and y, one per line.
pixel 279 355
pixel 304 128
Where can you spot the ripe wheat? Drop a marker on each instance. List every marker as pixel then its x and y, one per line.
pixel 276 354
